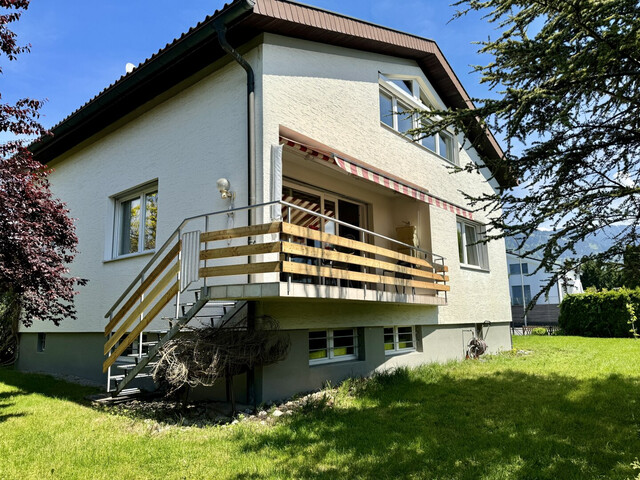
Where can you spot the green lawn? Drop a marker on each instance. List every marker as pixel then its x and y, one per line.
pixel 567 410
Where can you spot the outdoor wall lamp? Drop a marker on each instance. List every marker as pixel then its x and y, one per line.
pixel 223 187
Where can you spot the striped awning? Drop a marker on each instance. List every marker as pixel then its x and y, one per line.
pixel 377 176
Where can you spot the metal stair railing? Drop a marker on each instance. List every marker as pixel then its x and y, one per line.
pixel 151 354
pixel 150 282
pixel 173 331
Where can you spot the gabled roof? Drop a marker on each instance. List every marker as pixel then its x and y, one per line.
pixel 198 48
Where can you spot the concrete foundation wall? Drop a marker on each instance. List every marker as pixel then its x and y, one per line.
pixel 434 344
pixel 74 354
pixel 80 355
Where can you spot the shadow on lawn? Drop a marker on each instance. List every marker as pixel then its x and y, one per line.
pixel 5 417
pixel 507 425
pixel 35 383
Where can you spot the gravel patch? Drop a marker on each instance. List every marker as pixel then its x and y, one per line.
pixel 163 413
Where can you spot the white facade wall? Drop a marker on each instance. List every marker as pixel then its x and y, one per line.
pixel 331 95
pixel 186 142
pixel 196 134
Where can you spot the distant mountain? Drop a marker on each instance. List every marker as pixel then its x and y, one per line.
pixel 599 242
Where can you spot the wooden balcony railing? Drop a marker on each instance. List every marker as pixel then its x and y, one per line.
pixel 283 251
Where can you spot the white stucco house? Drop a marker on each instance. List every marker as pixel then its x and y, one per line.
pixel 526 281
pixel 328 218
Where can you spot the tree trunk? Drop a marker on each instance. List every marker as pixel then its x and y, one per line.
pixel 10 310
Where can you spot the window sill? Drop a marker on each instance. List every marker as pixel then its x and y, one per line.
pixel 333 361
pixel 473 268
pixel 130 255
pixel 422 147
pixel 394 353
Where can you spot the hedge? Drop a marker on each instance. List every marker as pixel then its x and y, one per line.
pixel 599 314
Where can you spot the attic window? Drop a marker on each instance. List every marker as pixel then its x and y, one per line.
pixel 399 95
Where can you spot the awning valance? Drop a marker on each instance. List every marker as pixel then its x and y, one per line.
pixel 375 175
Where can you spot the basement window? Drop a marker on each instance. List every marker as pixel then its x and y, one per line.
pixel 135 222
pixel 399 340
pixel 42 342
pixel 332 345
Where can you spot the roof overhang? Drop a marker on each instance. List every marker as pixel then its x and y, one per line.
pixel 199 48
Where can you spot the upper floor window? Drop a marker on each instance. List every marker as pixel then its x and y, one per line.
pixel 470 252
pixel 398 96
pixel 514 268
pixel 136 215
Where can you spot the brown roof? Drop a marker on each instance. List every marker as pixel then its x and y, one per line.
pixel 198 48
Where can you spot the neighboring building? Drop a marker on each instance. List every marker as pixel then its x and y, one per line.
pixel 339 255
pixel 525 283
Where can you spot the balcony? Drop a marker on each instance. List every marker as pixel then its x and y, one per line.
pixel 295 258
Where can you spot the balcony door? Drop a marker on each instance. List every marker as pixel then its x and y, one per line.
pixel 330 205
pixel 326 203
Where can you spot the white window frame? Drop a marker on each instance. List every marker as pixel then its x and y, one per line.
pixel 390 89
pixel 118 200
pixel 396 342
pixel 331 358
pixel 481 248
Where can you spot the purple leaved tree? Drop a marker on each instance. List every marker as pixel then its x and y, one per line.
pixel 37 236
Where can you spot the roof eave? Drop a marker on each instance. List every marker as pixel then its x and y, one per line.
pixel 179 60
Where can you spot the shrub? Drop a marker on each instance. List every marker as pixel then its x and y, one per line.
pixel 539 331
pixel 599 314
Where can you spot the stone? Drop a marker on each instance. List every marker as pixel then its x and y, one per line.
pixel 262 413
pixel 277 413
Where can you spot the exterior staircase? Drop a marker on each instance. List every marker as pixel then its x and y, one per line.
pixel 138 365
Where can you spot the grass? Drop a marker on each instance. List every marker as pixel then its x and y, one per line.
pixel 568 409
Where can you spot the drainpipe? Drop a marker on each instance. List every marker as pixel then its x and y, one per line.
pixel 220 26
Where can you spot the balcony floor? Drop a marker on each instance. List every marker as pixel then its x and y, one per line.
pixel 256 291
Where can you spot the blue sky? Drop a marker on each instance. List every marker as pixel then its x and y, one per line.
pixel 79 47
